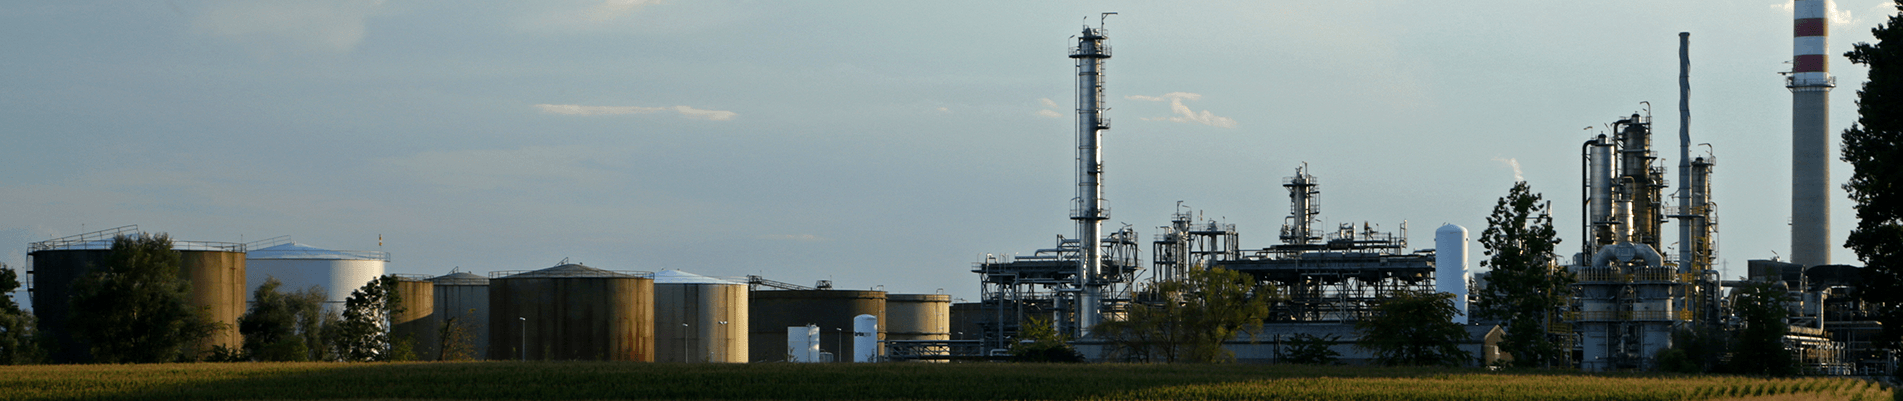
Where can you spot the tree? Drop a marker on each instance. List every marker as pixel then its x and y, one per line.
pixel 277 326
pixel 1038 342
pixel 1306 349
pixel 1874 148
pixel 138 309
pixel 1415 328
pixel 1187 320
pixel 1760 343
pixel 1523 286
pixel 459 340
pixel 19 344
pixel 364 333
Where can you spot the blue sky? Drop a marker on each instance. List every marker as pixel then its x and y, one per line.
pixel 871 143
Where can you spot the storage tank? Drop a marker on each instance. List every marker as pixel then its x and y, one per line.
pixel 571 312
pixel 417 322
pixel 1450 266
pixel 299 267
pixel 462 299
pixel 216 271
pixel 699 318
pixel 918 317
pixel 771 312
pixel 865 339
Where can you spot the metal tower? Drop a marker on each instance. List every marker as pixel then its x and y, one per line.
pixel 1089 209
pixel 1810 84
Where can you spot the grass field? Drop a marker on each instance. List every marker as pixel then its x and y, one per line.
pixel 976 381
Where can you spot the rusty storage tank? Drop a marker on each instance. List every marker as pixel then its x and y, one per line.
pixel 462 300
pixel 417 322
pixel 771 312
pixel 300 266
pixel 571 312
pixel 699 318
pixel 216 271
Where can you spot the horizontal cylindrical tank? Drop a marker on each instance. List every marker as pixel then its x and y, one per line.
pixel 216 272
pixel 416 322
pixel 298 266
pixel 572 312
pixel 771 312
pixel 462 305
pixel 699 318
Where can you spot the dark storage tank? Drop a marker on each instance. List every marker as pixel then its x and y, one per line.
pixel 462 300
pixel 216 271
pixel 417 322
pixel 699 318
pixel 572 312
pixel 771 312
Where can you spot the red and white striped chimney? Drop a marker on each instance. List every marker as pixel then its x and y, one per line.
pixel 1811 66
pixel 1810 84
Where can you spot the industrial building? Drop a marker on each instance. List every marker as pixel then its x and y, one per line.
pixel 571 312
pixel 216 271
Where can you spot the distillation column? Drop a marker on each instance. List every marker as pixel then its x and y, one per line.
pixel 1810 83
pixel 1090 211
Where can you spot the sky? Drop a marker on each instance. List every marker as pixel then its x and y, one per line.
pixel 876 144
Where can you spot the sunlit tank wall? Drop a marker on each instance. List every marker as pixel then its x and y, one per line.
pixel 699 319
pixel 771 312
pixel 417 321
pixel 463 298
pixel 572 312
pixel 299 267
pixel 218 284
pixel 918 317
pixel 216 278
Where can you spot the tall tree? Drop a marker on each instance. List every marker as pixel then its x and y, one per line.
pixel 1187 320
pixel 364 333
pixel 1524 287
pixel 1759 348
pixel 1874 148
pixel 1415 328
pixel 138 309
pixel 18 343
pixel 279 324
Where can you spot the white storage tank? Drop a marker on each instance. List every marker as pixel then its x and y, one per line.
pixel 699 318
pixel 300 266
pixel 1450 266
pixel 865 338
pixel 802 344
pixel 463 299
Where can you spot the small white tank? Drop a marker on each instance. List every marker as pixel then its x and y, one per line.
pixel 1450 266
pixel 865 338
pixel 802 344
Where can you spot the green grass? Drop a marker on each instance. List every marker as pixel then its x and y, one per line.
pixel 973 381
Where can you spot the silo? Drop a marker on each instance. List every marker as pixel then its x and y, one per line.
pixel 571 312
pixel 462 299
pixel 216 271
pixel 1450 266
pixel 298 266
pixel 771 312
pixel 699 318
pixel 417 322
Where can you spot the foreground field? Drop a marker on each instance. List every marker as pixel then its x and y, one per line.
pixel 595 380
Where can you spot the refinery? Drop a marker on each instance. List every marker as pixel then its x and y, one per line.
pixel 1644 257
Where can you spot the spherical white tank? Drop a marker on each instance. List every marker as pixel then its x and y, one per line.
pixel 1450 266
pixel 865 338
pixel 337 273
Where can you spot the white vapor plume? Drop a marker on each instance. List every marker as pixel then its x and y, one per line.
pixel 1048 112
pixel 685 111
pixel 1183 113
pixel 1515 164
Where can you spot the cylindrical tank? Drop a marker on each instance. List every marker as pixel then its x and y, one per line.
pixel 215 270
pixel 771 312
pixel 462 304
pixel 699 318
pixel 865 338
pixel 416 323
pixel 572 312
pixel 1450 266
pixel 218 284
pixel 918 317
pixel 299 267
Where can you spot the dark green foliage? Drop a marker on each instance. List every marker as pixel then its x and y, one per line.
pixel 1874 148
pixel 1524 288
pixel 1310 350
pixel 1759 348
pixel 1700 350
pixel 1415 328
pixel 19 344
pixel 279 325
pixel 1188 320
pixel 459 340
pixel 137 309
pixel 364 333
pixel 1038 342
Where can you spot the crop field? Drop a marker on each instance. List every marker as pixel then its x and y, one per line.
pixel 973 381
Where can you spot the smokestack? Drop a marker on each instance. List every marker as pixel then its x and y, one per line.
pixel 1810 83
pixel 1685 250
pixel 1090 211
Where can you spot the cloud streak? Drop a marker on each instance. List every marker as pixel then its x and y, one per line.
pixel 684 111
pixel 1183 113
pixel 306 26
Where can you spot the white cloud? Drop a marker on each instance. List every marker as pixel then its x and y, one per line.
pixel 293 25
pixel 1183 113
pixel 593 15
pixel 1048 112
pixel 1515 164
pixel 484 169
pixel 1048 103
pixel 685 111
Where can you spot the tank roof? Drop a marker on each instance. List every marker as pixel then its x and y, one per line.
pixel 300 251
pixel 919 297
pixel 576 270
pixel 460 278
pixel 681 277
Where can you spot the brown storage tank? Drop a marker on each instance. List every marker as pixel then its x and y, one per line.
pixel 417 321
pixel 571 312
pixel 216 271
pixel 699 318
pixel 463 298
pixel 771 312
pixel 918 317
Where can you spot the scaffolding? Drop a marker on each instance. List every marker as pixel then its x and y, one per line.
pixel 1045 285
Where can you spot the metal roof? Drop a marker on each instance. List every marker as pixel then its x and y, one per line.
pixel 572 270
pixel 681 277
pixel 460 278
pixel 300 251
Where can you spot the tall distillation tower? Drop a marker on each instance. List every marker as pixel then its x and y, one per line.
pixel 1088 208
pixel 1810 83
